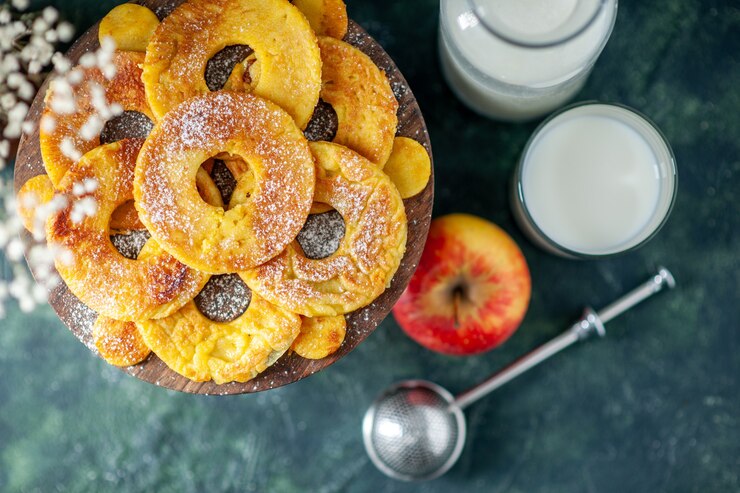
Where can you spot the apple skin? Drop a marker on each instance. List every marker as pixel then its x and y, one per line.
pixel 470 291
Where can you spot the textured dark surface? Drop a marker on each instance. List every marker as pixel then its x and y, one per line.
pixel 654 407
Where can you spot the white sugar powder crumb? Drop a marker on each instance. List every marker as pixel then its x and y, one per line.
pixel 321 235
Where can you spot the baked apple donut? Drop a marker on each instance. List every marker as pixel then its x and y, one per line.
pixel 368 256
pixel 119 343
pixel 362 98
pixel 201 349
pixel 320 336
pixel 154 285
pixel 209 238
pixel 125 89
pixel 281 37
pixel 327 17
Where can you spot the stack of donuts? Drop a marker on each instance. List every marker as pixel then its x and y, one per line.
pixel 157 179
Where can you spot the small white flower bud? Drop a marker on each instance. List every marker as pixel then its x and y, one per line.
pixel 20 4
pixel 65 31
pixel 50 14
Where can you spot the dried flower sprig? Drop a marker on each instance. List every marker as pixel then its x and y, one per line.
pixel 27 47
pixel 27 51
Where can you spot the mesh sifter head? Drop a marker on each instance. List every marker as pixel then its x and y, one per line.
pixel 414 431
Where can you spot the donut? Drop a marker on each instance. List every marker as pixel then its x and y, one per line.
pixel 125 89
pixel 368 255
pixel 327 17
pixel 35 192
pixel 362 98
pixel 320 336
pixel 125 218
pixel 154 285
pixel 409 167
pixel 130 25
pixel 119 343
pixel 202 350
pixel 208 238
pixel 281 37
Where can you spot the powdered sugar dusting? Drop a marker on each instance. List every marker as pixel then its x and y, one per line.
pixel 321 235
pixel 224 298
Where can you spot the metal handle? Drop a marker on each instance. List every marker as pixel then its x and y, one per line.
pixel 592 323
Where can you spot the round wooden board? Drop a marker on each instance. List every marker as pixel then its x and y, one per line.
pixel 291 367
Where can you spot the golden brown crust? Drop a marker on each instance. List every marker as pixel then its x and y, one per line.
pixel 201 349
pixel 362 97
pixel 368 256
pixel 154 285
pixel 209 238
pixel 284 44
pixel 327 17
pixel 119 343
pixel 125 89
pixel 409 167
pixel 35 192
pixel 320 336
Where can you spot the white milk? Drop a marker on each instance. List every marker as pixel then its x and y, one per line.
pixel 502 80
pixel 597 179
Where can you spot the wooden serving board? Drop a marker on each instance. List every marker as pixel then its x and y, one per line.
pixel 290 367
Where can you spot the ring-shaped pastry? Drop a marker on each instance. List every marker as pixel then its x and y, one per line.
pixel 368 256
pixel 119 343
pixel 201 349
pixel 282 39
pixel 209 238
pixel 154 285
pixel 362 98
pixel 125 89
pixel 327 17
pixel 320 336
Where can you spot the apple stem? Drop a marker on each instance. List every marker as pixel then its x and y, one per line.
pixel 457 294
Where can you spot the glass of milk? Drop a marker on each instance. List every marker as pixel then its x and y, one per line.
pixel 594 180
pixel 516 60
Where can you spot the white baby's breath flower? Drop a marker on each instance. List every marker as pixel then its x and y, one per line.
pixel 35 67
pixel 39 26
pixel 48 123
pixel 85 207
pixel 61 63
pixel 69 149
pixel 51 36
pixel 65 32
pixel 20 4
pixel 50 15
pixel 88 60
pixel 40 294
pixel 14 250
pixel 90 184
pixel 26 90
pixel 28 127
pixel 92 127
pixel 7 101
pixel 10 63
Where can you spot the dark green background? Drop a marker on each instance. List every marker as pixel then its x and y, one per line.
pixel 655 407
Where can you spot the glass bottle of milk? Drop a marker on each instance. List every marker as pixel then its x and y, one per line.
pixel 516 60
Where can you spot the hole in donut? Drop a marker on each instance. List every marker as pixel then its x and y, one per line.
pixel 224 298
pixel 321 235
pixel 127 125
pixel 323 124
pixel 221 66
pixel 223 178
pixel 130 244
pixel 125 218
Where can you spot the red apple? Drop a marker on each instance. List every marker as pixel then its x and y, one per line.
pixel 470 291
